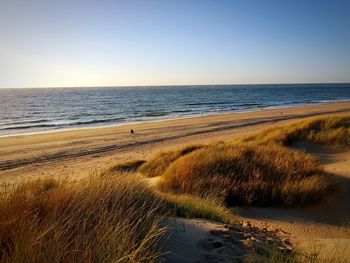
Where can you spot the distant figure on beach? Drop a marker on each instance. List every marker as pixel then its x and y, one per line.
pixel 132 131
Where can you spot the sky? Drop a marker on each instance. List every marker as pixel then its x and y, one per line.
pixel 124 43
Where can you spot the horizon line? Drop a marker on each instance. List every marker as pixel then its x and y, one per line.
pixel 175 85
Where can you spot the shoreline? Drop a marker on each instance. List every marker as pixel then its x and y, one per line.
pixel 112 125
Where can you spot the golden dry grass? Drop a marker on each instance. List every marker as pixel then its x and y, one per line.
pixel 115 217
pixel 96 221
pixel 161 161
pixel 190 206
pixel 331 130
pixel 129 166
pixel 257 169
pixel 247 174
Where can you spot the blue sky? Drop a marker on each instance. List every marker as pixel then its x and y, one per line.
pixel 106 43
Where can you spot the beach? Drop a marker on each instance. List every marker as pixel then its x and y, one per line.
pixel 72 155
pixel 175 131
pixel 75 154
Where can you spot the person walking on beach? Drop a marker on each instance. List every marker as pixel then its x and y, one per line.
pixel 131 131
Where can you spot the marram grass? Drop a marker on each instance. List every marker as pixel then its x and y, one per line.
pixel 248 174
pixel 258 169
pixel 102 220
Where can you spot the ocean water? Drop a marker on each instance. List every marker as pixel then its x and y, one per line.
pixel 36 110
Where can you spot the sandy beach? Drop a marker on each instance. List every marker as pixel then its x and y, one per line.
pixel 76 153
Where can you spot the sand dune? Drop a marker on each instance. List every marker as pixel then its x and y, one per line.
pixel 321 229
pixel 324 227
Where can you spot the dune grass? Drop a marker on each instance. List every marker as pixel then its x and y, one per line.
pixel 161 161
pixel 190 206
pixel 129 166
pixel 96 221
pixel 330 130
pixel 115 217
pixel 247 174
pixel 258 169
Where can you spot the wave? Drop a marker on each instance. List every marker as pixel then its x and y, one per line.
pixel 155 114
pixel 60 125
pixel 210 103
pixel 97 121
pixel 29 121
pixel 28 127
pixel 249 104
pixel 224 103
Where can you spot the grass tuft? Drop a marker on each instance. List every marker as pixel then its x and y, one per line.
pixel 249 174
pixel 189 206
pixel 158 164
pixel 330 130
pixel 128 167
pixel 104 219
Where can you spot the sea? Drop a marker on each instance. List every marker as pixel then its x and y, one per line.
pixel 36 110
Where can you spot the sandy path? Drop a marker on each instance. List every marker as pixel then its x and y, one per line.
pixel 318 228
pixel 75 154
pixel 198 240
pixel 189 241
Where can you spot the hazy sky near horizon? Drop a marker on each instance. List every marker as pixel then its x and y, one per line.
pixel 106 43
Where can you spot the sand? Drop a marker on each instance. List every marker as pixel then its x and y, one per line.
pixel 74 154
pixel 186 241
pixel 198 240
